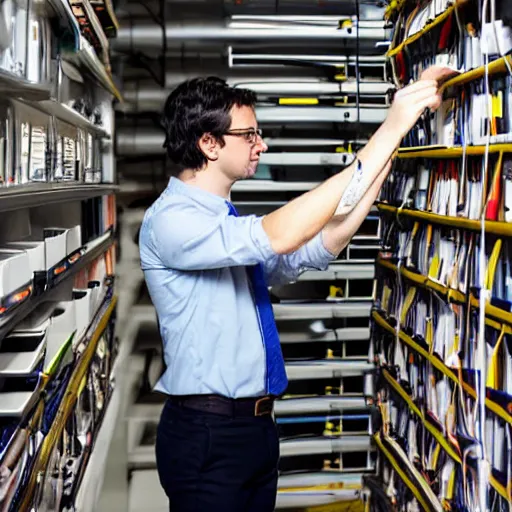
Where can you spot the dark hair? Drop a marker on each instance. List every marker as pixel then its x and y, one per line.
pixel 196 107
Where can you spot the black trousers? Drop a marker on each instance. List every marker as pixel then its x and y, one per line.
pixel 207 462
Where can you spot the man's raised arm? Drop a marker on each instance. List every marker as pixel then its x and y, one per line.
pixel 294 224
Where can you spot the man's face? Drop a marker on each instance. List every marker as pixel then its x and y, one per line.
pixel 239 157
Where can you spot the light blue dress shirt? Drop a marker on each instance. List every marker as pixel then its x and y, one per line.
pixel 193 255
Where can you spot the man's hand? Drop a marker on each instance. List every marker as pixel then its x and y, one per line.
pixel 439 73
pixel 410 102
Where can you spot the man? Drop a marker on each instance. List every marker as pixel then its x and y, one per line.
pixel 207 271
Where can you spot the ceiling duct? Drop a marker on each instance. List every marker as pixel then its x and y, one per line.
pixel 149 36
pixel 372 10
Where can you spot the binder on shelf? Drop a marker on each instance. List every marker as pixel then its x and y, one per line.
pixel 52 321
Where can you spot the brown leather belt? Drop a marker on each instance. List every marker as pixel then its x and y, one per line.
pixel 232 407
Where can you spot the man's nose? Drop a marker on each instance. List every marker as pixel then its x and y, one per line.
pixel 261 147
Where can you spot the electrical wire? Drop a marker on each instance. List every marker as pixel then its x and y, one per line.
pixel 481 353
pixel 507 64
pixel 508 437
pixel 357 63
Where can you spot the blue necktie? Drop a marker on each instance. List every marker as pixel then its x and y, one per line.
pixel 276 373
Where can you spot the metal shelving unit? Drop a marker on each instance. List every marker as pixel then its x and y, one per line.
pixel 35 194
pixel 18 87
pixel 69 115
pixel 91 253
pixel 59 221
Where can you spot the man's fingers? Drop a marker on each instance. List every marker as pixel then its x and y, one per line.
pixel 432 102
pixel 419 96
pixel 415 87
pixel 438 73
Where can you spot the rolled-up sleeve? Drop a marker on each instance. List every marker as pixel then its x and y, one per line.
pixel 282 269
pixel 190 240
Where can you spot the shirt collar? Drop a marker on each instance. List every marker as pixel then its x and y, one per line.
pixel 205 198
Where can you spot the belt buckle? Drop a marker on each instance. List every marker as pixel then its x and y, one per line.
pixel 262 401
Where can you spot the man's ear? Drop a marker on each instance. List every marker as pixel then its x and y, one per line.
pixel 209 146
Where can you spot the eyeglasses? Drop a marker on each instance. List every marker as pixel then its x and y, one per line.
pixel 250 134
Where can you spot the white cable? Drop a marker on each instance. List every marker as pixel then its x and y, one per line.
pixel 481 353
pixel 509 463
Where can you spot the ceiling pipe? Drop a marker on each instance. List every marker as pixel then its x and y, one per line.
pixel 179 72
pixel 180 10
pixel 151 98
pixel 136 141
pixel 257 67
pixel 207 8
pixel 149 36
